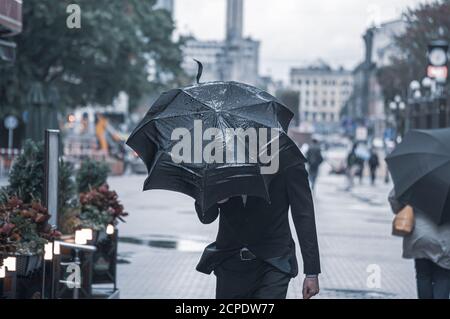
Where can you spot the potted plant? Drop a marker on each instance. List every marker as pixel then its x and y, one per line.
pixel 24 230
pixel 27 176
pixel 100 207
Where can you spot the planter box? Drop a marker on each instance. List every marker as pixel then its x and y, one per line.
pixel 8 286
pixel 27 265
pixel 105 258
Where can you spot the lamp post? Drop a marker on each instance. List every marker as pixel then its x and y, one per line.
pixel 415 110
pixel 397 107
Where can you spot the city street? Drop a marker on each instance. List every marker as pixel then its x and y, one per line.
pixel 162 241
pixel 203 98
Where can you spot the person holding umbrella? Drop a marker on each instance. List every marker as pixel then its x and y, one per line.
pixel 420 168
pixel 254 253
pixel 428 244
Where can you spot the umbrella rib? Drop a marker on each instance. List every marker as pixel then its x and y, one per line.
pixel 177 115
pixel 393 155
pixel 205 104
pixel 249 119
pixel 249 105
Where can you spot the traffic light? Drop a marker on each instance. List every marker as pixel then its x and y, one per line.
pixel 437 61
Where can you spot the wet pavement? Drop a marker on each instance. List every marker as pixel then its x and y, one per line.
pixel 162 241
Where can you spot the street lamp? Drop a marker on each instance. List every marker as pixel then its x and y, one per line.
pixel 397 107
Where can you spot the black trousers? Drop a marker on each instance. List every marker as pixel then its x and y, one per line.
pixel 433 281
pixel 252 279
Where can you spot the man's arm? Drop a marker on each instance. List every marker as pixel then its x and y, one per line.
pixel 302 210
pixel 208 216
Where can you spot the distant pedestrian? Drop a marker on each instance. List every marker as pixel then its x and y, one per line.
pixel 360 163
pixel 314 157
pixel 352 166
pixel 429 245
pixel 374 163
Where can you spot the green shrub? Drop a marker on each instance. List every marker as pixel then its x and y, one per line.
pixel 92 174
pixel 27 177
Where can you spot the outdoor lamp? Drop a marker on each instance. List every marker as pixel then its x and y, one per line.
pixel 402 106
pixel 48 251
pixel 397 98
pixel 87 233
pixel 393 106
pixel 80 238
pixel 10 263
pixel 414 85
pixel 427 82
pixel 56 248
pixel 110 229
pixel 417 94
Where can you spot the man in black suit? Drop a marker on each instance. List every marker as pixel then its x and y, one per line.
pixel 254 253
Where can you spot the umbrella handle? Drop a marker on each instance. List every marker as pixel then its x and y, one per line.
pixel 199 71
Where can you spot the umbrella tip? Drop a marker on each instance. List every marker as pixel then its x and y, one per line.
pixel 199 71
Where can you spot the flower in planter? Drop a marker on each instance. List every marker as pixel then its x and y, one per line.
pixel 24 228
pixel 100 207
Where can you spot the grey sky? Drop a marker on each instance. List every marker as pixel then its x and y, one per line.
pixel 294 32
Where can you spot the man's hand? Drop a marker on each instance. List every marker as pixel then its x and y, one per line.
pixel 310 287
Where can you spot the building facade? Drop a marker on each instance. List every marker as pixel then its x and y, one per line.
pixel 323 93
pixel 367 106
pixel 10 25
pixel 234 59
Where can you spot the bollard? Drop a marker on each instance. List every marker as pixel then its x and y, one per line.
pixel 51 174
pixel 51 191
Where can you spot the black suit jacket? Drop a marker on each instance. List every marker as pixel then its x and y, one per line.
pixel 263 227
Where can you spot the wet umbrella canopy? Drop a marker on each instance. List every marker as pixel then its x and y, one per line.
pixel 214 140
pixel 420 168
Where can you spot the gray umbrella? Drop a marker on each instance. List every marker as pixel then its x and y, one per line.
pixel 420 168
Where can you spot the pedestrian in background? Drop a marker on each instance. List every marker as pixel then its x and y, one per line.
pixel 314 157
pixel 374 163
pixel 360 163
pixel 429 245
pixel 352 161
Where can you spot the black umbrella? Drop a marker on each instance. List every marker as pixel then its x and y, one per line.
pixel 221 106
pixel 420 168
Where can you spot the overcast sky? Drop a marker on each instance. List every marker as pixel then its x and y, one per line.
pixel 294 32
